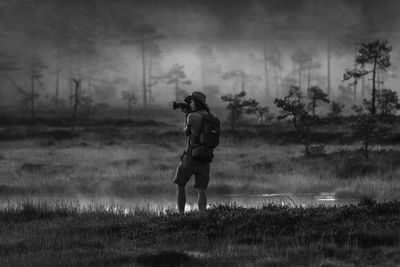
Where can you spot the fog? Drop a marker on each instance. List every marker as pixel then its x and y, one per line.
pixel 49 42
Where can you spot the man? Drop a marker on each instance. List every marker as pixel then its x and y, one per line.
pixel 188 166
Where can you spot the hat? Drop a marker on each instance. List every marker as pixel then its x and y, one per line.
pixel 197 96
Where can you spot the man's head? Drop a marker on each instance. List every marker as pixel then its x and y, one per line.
pixel 197 101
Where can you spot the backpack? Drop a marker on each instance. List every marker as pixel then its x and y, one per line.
pixel 208 140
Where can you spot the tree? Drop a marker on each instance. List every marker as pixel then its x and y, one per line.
pixel 7 65
pixel 302 59
pixel 275 62
pixel 295 92
pixel 176 76
pixel 356 74
pixel 337 32
pixel 272 61
pixel 253 107
pixel 61 33
pixel 265 24
pixel 310 67
pixel 130 98
pixel 368 130
pixel 154 54
pixel 335 109
pixel 372 57
pixel 262 114
pixel 76 99
pixel 36 75
pixel 237 106
pixel 250 106
pixel 387 102
pixel 315 94
pixel 144 35
pixel 365 107
pixel 292 106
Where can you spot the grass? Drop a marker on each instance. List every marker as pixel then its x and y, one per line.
pixel 107 163
pixel 61 234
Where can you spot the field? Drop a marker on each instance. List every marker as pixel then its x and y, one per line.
pixel 138 159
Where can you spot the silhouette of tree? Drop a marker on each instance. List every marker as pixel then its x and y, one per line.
pixel 387 102
pixel 372 57
pixel 335 109
pixel 315 94
pixel 292 106
pixel 237 105
pixel 368 130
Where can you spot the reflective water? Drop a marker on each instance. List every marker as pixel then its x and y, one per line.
pixel 162 203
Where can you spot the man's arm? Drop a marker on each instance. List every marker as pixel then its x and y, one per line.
pixel 186 125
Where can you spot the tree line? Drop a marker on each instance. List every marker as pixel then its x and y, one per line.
pixel 369 124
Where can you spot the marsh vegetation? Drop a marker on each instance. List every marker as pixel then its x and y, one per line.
pixel 62 234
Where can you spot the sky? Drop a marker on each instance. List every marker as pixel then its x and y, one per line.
pixel 100 39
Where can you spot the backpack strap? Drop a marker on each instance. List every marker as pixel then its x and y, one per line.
pixel 201 129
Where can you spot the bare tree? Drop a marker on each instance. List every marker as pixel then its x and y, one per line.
pixel 76 98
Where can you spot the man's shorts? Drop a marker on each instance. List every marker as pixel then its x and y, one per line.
pixel 187 167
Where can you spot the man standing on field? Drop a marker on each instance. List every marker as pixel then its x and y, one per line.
pixel 198 152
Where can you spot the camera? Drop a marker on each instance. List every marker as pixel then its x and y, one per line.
pixel 183 106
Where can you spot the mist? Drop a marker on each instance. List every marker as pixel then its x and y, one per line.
pixel 106 44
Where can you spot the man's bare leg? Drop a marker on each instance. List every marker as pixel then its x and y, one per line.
pixel 181 199
pixel 202 199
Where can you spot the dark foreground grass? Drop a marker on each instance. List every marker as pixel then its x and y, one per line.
pixel 64 235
